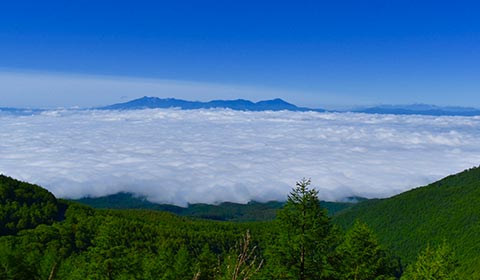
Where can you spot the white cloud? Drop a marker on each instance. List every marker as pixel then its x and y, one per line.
pixel 222 155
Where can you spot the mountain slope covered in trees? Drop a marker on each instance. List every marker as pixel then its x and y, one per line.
pixel 142 244
pixel 226 211
pixel 73 241
pixel 445 210
pixel 24 206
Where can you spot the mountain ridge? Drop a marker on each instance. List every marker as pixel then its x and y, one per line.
pixel 276 104
pixel 225 211
pixel 146 102
pixel 420 109
pixel 446 210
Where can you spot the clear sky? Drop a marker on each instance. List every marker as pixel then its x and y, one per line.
pixel 312 53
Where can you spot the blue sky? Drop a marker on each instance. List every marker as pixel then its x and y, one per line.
pixel 312 53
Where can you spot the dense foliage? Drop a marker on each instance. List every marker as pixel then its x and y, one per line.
pixel 445 210
pixel 120 245
pixel 360 256
pixel 79 242
pixel 304 236
pixel 439 264
pixel 24 206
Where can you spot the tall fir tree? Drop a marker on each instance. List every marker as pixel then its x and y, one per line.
pixel 434 263
pixel 361 257
pixel 304 229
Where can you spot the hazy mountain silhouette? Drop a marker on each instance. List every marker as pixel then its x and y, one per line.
pixel 237 104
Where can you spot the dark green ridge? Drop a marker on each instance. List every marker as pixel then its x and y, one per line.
pixel 75 241
pixel 25 206
pixel 445 210
pixel 226 211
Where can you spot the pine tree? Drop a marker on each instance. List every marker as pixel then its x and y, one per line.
pixel 182 266
pixel 438 264
pixel 206 265
pixel 304 229
pixel 361 257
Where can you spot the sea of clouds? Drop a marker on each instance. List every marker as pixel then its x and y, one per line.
pixel 210 156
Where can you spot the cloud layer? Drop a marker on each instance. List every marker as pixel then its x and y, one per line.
pixel 211 156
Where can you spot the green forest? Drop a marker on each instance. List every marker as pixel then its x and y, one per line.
pixel 403 237
pixel 225 211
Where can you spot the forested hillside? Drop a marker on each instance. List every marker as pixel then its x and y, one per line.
pixel 301 243
pixel 67 240
pixel 445 210
pixel 24 206
pixel 226 211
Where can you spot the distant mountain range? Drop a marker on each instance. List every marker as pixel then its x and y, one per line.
pixel 237 104
pixel 420 109
pixel 19 111
pixel 280 105
pixel 276 104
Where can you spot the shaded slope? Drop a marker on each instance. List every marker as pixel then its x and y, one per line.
pixel 445 210
pixel 226 211
pixel 25 206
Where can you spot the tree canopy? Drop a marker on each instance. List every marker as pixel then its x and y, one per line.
pixel 304 229
pixel 79 242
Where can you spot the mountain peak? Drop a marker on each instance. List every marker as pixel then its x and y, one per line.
pixel 275 101
pixel 145 102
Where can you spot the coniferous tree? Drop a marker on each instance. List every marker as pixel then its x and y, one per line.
pixel 361 257
pixel 207 263
pixel 304 229
pixel 438 264
pixel 182 266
